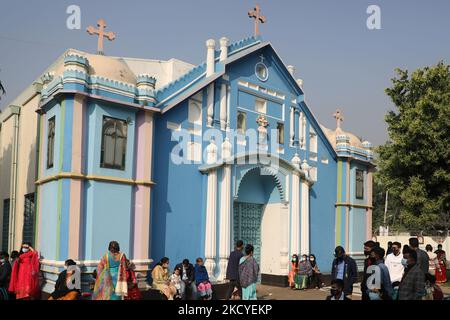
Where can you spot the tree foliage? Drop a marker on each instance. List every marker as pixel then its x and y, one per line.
pixel 414 165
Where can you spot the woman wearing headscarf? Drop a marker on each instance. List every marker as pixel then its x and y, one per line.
pixel 111 281
pixel 25 274
pixel 248 274
pixel 304 272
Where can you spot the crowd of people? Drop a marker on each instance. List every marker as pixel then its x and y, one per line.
pixel 399 273
pixel 407 273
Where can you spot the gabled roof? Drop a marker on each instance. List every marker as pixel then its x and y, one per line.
pixel 195 80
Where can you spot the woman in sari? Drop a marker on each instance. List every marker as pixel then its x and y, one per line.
pixel 63 289
pixel 133 291
pixel 25 274
pixel 248 274
pixel 441 277
pixel 304 272
pixel 161 279
pixel 293 272
pixel 111 281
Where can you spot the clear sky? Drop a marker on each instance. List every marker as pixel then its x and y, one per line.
pixel 342 62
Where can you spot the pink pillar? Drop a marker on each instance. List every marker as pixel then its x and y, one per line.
pixel 76 185
pixel 144 143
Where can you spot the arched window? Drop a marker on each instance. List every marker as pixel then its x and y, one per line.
pixel 50 142
pixel 114 143
pixel 241 122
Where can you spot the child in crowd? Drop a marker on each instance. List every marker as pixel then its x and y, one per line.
pixel 202 280
pixel 175 280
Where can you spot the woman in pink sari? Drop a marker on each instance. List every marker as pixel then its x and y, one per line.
pixel 25 274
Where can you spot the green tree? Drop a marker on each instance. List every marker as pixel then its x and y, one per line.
pixel 414 165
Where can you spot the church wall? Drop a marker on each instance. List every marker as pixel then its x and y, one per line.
pixel 108 205
pixel 322 210
pixel 178 196
pixel 6 147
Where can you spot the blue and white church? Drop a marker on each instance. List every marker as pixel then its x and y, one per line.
pixel 171 159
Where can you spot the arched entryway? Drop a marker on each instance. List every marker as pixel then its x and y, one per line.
pixel 260 217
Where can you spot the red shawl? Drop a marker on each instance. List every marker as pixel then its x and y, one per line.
pixel 25 276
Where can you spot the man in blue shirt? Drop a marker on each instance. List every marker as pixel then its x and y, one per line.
pixel 344 268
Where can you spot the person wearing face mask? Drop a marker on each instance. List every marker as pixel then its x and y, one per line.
pixel 111 281
pixel 304 272
pixel 412 286
pixel 368 261
pixel 337 293
pixel 25 274
pixel 382 289
pixel 344 268
pixel 63 288
pixel 294 271
pixel 316 278
pixel 5 274
pixel 394 263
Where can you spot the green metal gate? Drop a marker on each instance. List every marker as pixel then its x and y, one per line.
pixel 247 225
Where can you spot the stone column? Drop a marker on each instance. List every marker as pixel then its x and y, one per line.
pixel 223 106
pixel 305 218
pixel 304 212
pixel 210 105
pixel 210 232
pixel 295 207
pixel 225 211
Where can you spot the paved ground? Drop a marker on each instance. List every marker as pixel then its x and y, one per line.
pixel 277 293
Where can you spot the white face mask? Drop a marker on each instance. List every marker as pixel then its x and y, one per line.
pixel 25 249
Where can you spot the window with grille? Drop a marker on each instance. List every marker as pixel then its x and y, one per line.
pixel 359 184
pixel 50 142
pixel 29 218
pixel 241 122
pixel 5 225
pixel 114 143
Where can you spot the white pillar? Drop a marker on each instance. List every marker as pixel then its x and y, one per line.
pixel 223 106
pixel 210 44
pixel 304 218
pixel 224 42
pixel 210 232
pixel 210 105
pixel 295 207
pixel 225 211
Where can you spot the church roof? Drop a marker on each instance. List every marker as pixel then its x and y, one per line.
pixel 332 134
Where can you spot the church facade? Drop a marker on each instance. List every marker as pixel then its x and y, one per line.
pixel 171 159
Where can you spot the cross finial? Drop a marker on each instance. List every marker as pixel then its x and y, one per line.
pixel 339 118
pixel 101 33
pixel 256 14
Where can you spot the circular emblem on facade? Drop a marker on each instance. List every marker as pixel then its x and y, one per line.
pixel 261 71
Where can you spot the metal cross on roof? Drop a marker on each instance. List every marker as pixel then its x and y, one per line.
pixel 339 118
pixel 256 14
pixel 101 33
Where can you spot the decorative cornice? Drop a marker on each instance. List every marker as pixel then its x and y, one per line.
pixel 72 175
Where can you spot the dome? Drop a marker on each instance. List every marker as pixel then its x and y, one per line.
pixel 342 136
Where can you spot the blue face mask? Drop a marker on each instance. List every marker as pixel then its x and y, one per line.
pixel 374 296
pixel 405 262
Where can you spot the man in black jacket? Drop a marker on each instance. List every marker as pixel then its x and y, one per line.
pixel 368 247
pixel 5 274
pixel 187 279
pixel 344 268
pixel 233 269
